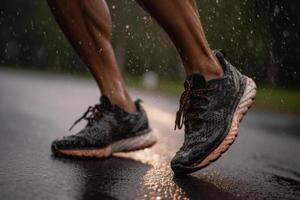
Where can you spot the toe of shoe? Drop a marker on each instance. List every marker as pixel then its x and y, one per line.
pixel 180 169
pixel 182 157
pixel 179 164
pixel 61 144
pixel 56 146
pixel 184 162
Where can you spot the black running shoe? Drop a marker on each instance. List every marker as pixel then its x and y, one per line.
pixel 211 112
pixel 109 129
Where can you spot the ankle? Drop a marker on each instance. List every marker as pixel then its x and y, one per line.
pixel 115 90
pixel 209 68
pixel 122 101
pixel 213 71
pixel 127 105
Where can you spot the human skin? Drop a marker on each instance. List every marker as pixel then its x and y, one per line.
pixel 87 25
pixel 180 19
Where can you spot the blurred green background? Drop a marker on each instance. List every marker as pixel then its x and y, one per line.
pixel 260 37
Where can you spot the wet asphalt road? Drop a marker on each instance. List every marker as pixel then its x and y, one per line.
pixel 35 108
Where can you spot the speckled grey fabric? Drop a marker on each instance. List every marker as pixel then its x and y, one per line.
pixel 107 123
pixel 206 110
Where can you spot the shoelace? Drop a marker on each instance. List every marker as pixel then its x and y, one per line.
pixel 92 113
pixel 185 102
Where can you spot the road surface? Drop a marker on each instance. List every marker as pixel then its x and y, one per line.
pixel 36 108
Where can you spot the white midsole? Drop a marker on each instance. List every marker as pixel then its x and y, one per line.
pixel 125 145
pixel 133 143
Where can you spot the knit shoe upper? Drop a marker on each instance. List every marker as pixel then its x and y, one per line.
pixel 206 110
pixel 107 123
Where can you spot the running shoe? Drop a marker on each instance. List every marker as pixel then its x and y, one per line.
pixel 211 112
pixel 109 130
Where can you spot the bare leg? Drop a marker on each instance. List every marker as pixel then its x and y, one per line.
pixel 87 24
pixel 194 5
pixel 181 21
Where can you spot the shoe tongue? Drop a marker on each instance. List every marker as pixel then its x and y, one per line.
pixel 104 100
pixel 198 81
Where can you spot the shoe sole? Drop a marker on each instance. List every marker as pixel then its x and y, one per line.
pixel 125 145
pixel 244 105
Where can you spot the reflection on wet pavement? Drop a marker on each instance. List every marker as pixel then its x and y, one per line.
pixel 139 176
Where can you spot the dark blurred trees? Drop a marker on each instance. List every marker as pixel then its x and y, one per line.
pixel 281 22
pixel 260 37
pixel 31 39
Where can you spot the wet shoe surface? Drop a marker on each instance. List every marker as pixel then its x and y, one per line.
pixel 109 129
pixel 211 112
